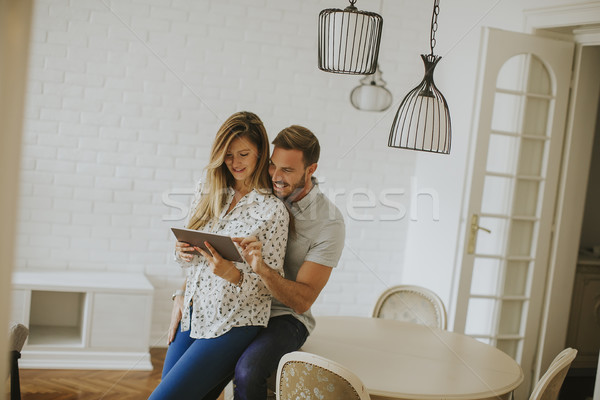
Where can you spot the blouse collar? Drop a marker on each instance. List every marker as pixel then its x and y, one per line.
pixel 254 196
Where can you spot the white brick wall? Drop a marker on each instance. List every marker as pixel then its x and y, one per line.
pixel 123 104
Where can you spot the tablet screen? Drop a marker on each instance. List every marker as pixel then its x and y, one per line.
pixel 223 244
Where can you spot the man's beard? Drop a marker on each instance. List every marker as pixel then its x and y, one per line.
pixel 295 189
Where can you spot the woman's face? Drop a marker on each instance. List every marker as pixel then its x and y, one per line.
pixel 241 158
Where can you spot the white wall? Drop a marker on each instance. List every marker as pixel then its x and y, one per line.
pixel 123 104
pixel 122 107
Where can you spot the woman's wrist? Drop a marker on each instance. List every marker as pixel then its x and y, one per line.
pixel 239 283
pixel 236 277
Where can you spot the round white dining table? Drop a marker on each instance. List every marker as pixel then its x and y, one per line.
pixel 402 360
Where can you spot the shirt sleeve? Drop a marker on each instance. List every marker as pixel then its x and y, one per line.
pixel 275 237
pixel 329 243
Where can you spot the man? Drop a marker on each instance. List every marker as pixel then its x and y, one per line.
pixel 314 247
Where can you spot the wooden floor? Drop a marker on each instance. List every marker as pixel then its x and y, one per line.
pixel 46 384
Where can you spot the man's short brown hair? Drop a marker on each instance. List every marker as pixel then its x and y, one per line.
pixel 297 137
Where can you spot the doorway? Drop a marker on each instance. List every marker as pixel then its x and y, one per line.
pixel 580 24
pixel 583 332
pixel 583 329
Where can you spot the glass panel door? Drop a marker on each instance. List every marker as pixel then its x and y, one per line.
pixel 510 207
pixel 520 122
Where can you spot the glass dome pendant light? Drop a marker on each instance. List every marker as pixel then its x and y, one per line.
pixel 349 40
pixel 422 121
pixel 371 94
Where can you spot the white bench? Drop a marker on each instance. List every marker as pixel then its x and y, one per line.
pixel 84 320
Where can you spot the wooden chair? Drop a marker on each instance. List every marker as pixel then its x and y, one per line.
pixel 550 383
pixel 309 376
pixel 411 304
pixel 17 334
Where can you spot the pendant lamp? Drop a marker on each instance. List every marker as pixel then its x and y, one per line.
pixel 422 121
pixel 349 40
pixel 371 94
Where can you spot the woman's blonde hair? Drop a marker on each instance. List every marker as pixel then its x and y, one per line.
pixel 244 125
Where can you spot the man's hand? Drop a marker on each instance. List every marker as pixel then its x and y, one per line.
pixel 176 313
pixel 299 294
pixel 251 251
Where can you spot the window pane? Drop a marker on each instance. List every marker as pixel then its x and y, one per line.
pixel 480 316
pixel 510 317
pixel 505 115
pixel 485 277
pixel 496 195
pixel 510 347
pixel 532 157
pixel 526 198
pixel 539 79
pixel 536 117
pixel 510 76
pixel 521 238
pixel 502 154
pixel 516 277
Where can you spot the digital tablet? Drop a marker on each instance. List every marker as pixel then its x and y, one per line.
pixel 223 244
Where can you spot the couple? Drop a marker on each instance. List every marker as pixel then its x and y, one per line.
pixel 238 319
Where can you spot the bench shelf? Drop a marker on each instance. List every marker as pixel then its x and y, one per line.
pixel 84 320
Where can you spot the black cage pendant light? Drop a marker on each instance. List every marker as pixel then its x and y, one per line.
pixel 349 40
pixel 423 119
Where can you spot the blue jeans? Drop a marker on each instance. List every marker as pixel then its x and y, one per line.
pixel 283 335
pixel 193 367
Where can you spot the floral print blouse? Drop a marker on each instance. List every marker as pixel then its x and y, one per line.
pixel 216 304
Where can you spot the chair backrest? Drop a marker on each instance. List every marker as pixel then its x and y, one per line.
pixel 411 304
pixel 17 335
pixel 309 376
pixel 550 383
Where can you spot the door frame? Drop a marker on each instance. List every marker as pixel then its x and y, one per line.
pixel 576 158
pixel 15 27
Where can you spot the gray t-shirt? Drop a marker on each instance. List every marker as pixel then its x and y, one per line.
pixel 318 236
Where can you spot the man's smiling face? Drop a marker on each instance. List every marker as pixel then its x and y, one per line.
pixel 291 179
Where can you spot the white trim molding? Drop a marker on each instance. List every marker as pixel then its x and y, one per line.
pixel 588 36
pixel 33 359
pixel 563 16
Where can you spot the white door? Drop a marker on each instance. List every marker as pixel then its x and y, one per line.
pixel 522 99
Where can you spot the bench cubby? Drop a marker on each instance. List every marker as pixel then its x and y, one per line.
pixel 84 320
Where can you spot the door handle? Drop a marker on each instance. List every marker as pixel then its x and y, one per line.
pixel 473 233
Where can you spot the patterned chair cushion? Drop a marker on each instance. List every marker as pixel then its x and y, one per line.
pixel 305 381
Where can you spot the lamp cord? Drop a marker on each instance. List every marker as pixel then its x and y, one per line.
pixel 434 24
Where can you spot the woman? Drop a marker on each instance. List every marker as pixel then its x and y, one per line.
pixel 224 304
